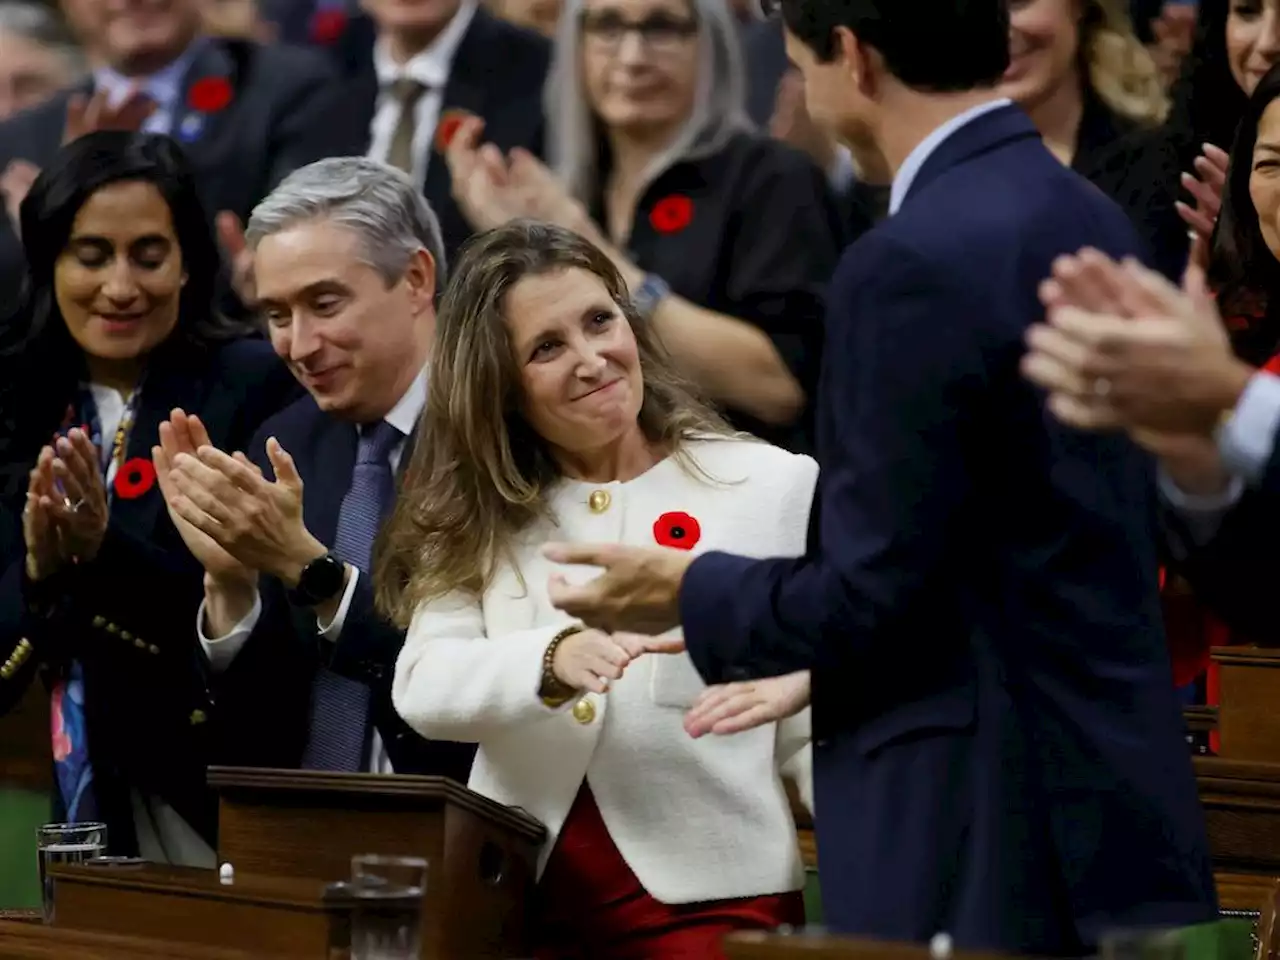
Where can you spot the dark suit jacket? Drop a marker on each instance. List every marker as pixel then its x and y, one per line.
pixel 999 753
pixel 287 110
pixel 498 73
pixel 264 696
pixel 129 616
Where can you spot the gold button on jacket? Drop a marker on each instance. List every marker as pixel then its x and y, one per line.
pixel 584 711
pixel 599 501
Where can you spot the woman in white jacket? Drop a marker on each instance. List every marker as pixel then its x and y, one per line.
pixel 552 415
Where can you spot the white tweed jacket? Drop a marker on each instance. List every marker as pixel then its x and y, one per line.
pixel 696 820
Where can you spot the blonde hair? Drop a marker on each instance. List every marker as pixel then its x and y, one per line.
pixel 1117 67
pixel 479 474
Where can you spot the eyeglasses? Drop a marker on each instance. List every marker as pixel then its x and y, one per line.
pixel 661 34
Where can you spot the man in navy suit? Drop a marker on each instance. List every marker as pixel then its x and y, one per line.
pixel 348 259
pixel 998 749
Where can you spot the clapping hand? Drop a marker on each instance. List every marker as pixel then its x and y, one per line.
pixel 239 256
pixel 729 708
pixel 88 114
pixel 15 184
pixel 81 512
pixel 256 521
pixel 481 186
pixel 38 527
pixel 183 433
pixel 1206 186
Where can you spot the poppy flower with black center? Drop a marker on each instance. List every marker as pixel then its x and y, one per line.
pixel 679 530
pixel 134 478
pixel 671 214
pixel 209 94
pixel 447 128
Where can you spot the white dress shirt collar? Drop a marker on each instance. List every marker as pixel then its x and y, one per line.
pixel 164 86
pixel 915 161
pixel 404 415
pixel 430 67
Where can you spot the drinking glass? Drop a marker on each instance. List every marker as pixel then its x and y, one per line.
pixel 386 922
pixel 66 843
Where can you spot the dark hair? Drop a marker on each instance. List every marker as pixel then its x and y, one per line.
pixel 1242 267
pixel 40 364
pixel 941 46
pixel 1207 101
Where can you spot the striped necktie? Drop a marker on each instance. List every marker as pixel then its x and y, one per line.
pixel 339 705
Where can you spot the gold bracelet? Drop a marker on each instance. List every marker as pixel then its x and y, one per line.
pixel 553 691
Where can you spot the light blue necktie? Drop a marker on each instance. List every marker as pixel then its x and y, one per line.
pixel 339 705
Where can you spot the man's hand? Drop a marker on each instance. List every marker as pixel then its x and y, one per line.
pixel 734 707
pixel 1163 365
pixel 256 521
pixel 639 590
pixel 239 257
pixel 88 114
pixel 185 434
pixel 15 184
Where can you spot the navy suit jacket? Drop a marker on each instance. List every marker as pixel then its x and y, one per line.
pixel 129 615
pixel 999 753
pixel 264 697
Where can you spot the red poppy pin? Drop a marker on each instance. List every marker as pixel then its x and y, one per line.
pixel 209 95
pixel 328 26
pixel 448 126
pixel 134 478
pixel 679 530
pixel 671 214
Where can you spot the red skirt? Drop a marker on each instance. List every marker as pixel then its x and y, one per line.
pixel 590 906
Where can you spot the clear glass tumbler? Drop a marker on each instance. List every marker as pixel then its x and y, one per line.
pixel 66 843
pixel 386 923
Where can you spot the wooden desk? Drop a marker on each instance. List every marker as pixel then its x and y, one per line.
pixel 1249 689
pixel 290 917
pixel 34 941
pixel 809 946
pixel 1241 803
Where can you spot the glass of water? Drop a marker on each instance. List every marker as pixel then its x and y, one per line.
pixel 386 922
pixel 66 843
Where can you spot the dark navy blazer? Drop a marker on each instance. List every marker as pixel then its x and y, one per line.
pixel 129 616
pixel 999 752
pixel 264 696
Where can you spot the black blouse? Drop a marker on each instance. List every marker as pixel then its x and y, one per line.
pixel 752 232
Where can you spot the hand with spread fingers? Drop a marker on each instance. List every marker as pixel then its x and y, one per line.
pixel 729 708
pixel 639 590
pixel 81 511
pixel 1206 185
pixel 256 521
pixel 1124 348
pixel 183 433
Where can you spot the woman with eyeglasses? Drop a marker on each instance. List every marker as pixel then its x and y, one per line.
pixel 725 237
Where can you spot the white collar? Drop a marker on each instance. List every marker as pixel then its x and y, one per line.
pixel 915 161
pixel 164 86
pixel 430 67
pixel 404 415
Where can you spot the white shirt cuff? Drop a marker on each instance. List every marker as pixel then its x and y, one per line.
pixel 222 651
pixel 333 629
pixel 1248 437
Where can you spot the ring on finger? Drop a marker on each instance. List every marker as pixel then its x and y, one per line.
pixel 72 506
pixel 1101 387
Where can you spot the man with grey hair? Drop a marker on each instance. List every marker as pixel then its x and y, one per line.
pixel 347 260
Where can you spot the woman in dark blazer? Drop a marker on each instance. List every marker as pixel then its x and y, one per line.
pixel 98 594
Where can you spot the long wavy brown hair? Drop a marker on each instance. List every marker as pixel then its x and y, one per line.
pixel 479 473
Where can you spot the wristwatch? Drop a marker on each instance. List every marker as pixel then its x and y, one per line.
pixel 320 580
pixel 651 292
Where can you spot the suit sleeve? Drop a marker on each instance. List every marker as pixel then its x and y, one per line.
pixel 903 338
pixel 453 682
pixel 314 121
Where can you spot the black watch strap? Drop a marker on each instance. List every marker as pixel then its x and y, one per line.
pixel 321 580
